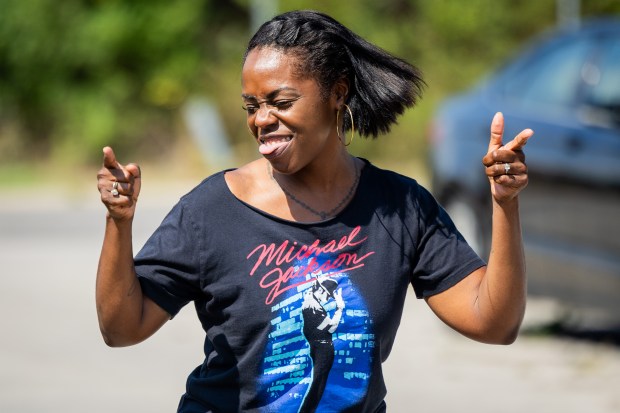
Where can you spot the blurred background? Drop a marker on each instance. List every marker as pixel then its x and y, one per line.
pixel 80 74
pixel 160 82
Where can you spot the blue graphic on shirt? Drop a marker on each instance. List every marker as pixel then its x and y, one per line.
pixel 287 368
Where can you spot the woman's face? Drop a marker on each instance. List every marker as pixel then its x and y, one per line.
pixel 292 122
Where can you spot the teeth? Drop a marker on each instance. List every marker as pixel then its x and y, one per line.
pixel 273 141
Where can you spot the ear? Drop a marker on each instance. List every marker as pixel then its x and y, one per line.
pixel 340 92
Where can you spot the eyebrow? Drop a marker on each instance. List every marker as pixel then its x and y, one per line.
pixel 271 95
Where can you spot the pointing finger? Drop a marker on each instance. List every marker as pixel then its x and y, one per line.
pixel 520 140
pixel 120 172
pixel 109 159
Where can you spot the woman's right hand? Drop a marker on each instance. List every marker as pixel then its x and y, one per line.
pixel 119 186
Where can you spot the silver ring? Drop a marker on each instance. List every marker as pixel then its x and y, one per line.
pixel 114 190
pixel 506 168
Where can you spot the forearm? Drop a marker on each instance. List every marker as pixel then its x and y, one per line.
pixel 118 294
pixel 335 320
pixel 502 293
pixel 488 305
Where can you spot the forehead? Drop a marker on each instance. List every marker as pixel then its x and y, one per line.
pixel 268 69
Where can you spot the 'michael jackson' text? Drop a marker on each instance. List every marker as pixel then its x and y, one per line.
pixel 288 265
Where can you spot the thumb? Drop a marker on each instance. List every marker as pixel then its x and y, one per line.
pixel 497 131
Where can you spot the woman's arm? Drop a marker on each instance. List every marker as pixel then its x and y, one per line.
pixel 125 315
pixel 489 304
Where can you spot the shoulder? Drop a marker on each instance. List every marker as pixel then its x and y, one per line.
pixel 387 175
pixel 393 184
pixel 212 184
pixel 247 181
pixel 234 181
pixel 395 194
pixel 220 192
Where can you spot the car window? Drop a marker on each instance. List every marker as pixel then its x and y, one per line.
pixel 550 79
pixel 604 79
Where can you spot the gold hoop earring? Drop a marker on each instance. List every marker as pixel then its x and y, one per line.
pixel 338 128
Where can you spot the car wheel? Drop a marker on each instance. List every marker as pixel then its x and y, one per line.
pixel 470 218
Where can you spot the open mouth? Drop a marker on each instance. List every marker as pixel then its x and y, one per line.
pixel 269 145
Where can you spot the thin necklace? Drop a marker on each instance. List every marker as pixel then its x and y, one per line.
pixel 322 214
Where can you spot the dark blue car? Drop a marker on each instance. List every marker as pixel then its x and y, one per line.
pixel 566 87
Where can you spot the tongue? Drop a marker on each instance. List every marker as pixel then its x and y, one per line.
pixel 269 148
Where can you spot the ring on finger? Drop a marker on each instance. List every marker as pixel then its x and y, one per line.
pixel 114 190
pixel 506 168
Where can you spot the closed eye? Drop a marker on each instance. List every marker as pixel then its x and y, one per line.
pixel 283 104
pixel 280 105
pixel 250 109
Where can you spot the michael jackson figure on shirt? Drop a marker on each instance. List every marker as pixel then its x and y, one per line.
pixel 318 329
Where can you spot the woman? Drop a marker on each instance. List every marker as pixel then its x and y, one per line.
pixel 246 243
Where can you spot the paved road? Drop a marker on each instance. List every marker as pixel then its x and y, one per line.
pixel 52 358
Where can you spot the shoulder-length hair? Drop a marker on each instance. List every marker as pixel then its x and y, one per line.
pixel 381 86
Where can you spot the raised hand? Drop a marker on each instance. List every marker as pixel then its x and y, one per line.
pixel 339 300
pixel 119 186
pixel 505 164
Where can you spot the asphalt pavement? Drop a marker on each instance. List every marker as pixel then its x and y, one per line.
pixel 52 358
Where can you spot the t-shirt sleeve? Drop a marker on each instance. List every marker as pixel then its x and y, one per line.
pixel 443 257
pixel 169 264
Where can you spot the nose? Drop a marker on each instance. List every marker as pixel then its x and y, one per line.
pixel 264 116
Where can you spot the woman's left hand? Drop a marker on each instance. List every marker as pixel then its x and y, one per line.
pixel 505 164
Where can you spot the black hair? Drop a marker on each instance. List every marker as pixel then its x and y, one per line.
pixel 381 86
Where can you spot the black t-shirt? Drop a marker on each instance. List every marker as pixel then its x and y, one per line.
pixel 247 272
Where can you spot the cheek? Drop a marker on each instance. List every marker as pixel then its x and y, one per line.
pixel 318 122
pixel 252 129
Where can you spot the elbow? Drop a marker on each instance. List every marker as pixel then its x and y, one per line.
pixel 113 340
pixel 511 329
pixel 116 336
pixel 500 331
pixel 513 334
pixel 109 340
pixel 503 330
pixel 501 336
pixel 509 338
pixel 117 331
pixel 118 340
pixel 497 339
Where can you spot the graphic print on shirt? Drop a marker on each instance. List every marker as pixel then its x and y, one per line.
pixel 321 343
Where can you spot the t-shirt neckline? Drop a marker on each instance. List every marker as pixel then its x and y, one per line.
pixel 329 220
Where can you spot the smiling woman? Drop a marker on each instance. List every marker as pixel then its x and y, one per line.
pixel 298 263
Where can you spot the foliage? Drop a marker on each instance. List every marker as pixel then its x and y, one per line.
pixel 80 74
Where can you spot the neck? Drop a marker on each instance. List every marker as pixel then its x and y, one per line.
pixel 322 193
pixel 328 176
